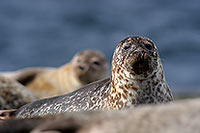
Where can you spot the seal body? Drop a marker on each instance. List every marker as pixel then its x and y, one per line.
pixel 85 67
pixel 137 78
pixel 13 94
pixel 89 97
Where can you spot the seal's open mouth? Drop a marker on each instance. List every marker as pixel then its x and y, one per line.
pixel 140 62
pixel 140 66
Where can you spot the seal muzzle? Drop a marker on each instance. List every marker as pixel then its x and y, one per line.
pixel 139 62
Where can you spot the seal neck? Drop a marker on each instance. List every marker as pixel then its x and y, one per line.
pixel 126 90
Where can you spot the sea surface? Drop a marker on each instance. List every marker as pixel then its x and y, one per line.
pixel 50 32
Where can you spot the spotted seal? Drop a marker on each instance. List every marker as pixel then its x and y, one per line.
pixel 137 78
pixel 86 66
pixel 13 94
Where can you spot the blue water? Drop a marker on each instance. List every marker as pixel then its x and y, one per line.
pixel 50 32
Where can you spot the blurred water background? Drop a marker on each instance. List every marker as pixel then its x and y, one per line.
pixel 50 32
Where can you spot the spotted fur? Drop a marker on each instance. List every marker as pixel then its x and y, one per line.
pixel 135 87
pixel 137 78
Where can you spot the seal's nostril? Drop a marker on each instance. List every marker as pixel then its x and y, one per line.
pixel 139 53
pixel 81 67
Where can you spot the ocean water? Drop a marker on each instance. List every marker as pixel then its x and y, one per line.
pixel 50 32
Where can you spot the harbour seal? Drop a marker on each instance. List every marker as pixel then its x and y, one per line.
pixel 13 94
pixel 137 78
pixel 85 67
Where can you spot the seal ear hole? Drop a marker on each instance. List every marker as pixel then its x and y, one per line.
pixel 148 46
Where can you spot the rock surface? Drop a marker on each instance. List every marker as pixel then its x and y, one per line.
pixel 13 95
pixel 179 117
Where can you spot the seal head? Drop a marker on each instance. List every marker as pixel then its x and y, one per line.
pixel 137 74
pixel 90 66
pixel 138 55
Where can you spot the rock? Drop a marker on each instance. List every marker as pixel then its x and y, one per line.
pixel 182 116
pixel 13 95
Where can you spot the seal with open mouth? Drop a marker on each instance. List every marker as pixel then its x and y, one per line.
pixel 137 78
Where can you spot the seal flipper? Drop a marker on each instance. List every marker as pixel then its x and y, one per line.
pixel 26 75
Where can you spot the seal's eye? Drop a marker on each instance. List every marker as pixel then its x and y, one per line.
pixel 148 46
pixel 127 47
pixel 97 63
pixel 78 60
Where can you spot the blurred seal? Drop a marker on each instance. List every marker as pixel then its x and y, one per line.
pixel 137 78
pixel 13 94
pixel 86 67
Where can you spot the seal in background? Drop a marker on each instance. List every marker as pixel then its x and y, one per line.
pixel 85 67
